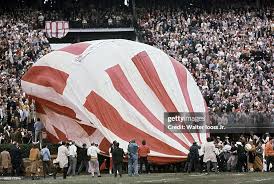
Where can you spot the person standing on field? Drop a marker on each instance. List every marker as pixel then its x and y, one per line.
pixel 62 160
pixel 5 161
pixel 193 157
pixel 84 159
pixel 34 156
pixel 72 158
pixel 92 152
pixel 132 158
pixel 210 155
pixel 117 158
pixel 46 157
pixel 143 152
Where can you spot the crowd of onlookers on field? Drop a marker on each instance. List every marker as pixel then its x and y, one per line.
pixel 69 157
pixel 247 153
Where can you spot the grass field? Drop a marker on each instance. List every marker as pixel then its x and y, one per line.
pixel 173 178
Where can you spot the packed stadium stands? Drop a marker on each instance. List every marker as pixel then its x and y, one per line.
pixel 228 51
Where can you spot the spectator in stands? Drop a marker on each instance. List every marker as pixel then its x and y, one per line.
pixel 46 157
pixel 117 158
pixel 143 152
pixel 84 159
pixel 92 152
pixel 34 156
pixel 2 138
pixel 5 161
pixel 132 158
pixel 16 136
pixel 41 19
pixel 72 158
pixel 38 126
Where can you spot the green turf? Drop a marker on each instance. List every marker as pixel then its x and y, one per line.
pixel 173 178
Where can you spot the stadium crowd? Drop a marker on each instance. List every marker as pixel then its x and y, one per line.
pixel 92 18
pixel 228 51
pixel 20 46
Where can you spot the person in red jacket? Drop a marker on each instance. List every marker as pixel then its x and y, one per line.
pixel 269 153
pixel 143 152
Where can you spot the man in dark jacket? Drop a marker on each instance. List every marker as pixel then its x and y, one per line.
pixel 193 157
pixel 82 155
pixel 242 159
pixel 16 158
pixel 117 159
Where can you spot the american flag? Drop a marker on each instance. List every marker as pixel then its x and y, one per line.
pixel 106 90
pixel 56 29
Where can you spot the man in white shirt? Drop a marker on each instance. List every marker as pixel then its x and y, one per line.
pixel 92 152
pixel 61 160
pixel 72 158
pixel 210 155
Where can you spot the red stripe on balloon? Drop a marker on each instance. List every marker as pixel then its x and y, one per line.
pixel 104 145
pixel 148 72
pixel 50 137
pixel 145 67
pixel 39 108
pixel 88 129
pixel 59 109
pixel 47 77
pixel 76 49
pixel 181 74
pixel 165 160
pixel 112 120
pixel 61 135
pixel 122 85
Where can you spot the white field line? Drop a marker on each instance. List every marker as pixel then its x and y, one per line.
pixel 255 180
pixel 264 179
pixel 198 174
pixel 161 180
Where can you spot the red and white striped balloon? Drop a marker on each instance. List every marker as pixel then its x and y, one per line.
pixel 106 90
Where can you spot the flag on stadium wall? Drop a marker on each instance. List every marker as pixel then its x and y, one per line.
pixel 56 29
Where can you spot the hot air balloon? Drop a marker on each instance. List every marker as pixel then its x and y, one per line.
pixel 106 90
